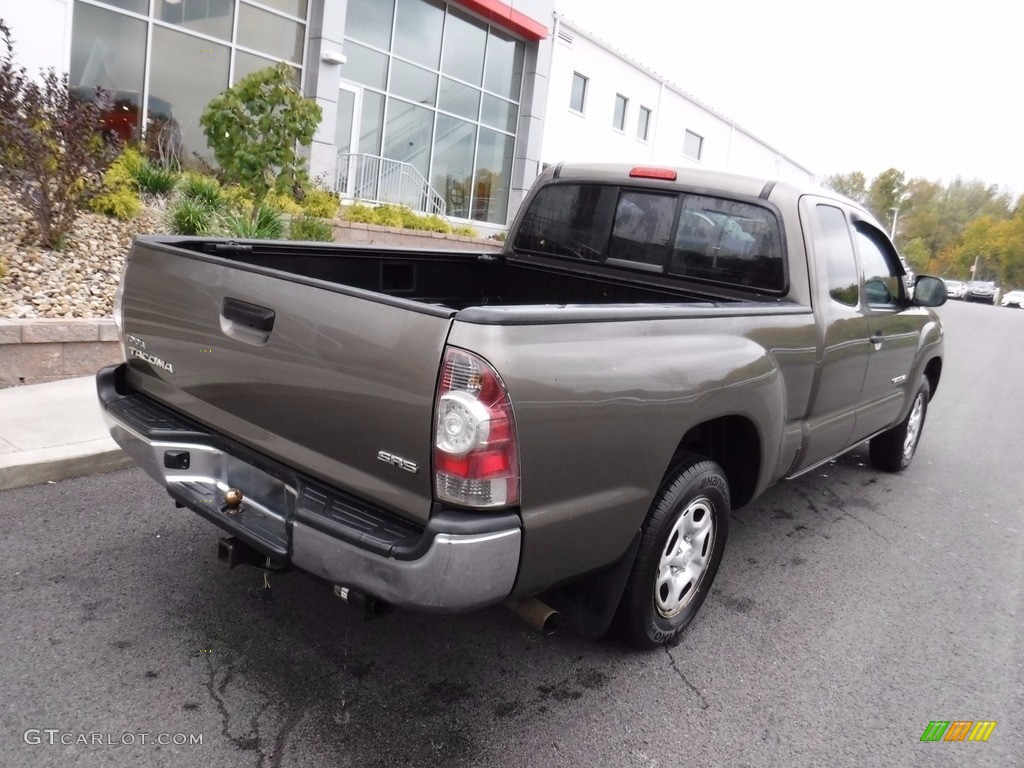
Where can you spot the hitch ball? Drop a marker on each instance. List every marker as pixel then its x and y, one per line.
pixel 232 501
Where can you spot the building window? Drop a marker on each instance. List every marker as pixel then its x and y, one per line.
pixel 578 98
pixel 619 118
pixel 450 85
pixel 693 145
pixel 643 123
pixel 197 48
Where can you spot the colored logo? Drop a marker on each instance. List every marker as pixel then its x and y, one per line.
pixel 958 730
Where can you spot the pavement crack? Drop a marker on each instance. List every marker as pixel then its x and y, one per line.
pixel 675 668
pixel 216 691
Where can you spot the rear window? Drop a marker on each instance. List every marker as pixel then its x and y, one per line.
pixel 697 237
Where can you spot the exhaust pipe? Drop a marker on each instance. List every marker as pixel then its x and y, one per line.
pixel 371 607
pixel 539 616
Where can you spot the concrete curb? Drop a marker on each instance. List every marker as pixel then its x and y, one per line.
pixel 25 468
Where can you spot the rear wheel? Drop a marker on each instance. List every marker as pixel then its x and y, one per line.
pixel 681 546
pixel 893 450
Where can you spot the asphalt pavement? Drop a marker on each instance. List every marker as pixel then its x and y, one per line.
pixel 852 608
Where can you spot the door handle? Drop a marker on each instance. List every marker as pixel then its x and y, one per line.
pixel 249 323
pixel 877 338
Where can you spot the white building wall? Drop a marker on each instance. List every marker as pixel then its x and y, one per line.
pixel 591 137
pixel 42 33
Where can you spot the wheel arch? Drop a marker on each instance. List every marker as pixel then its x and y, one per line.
pixel 734 443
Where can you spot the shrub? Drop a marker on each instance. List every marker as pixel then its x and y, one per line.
pixel 282 202
pixel 253 128
pixel 51 150
pixel 465 231
pixel 321 203
pixel 360 214
pixel 191 216
pixel 154 179
pixel 119 196
pixel 122 203
pixel 264 224
pixel 308 227
pixel 205 189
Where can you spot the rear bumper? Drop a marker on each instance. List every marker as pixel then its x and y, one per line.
pixel 458 562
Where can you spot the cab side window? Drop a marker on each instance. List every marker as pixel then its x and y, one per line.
pixel 883 282
pixel 832 241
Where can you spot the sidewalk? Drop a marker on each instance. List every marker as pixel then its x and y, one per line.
pixel 54 431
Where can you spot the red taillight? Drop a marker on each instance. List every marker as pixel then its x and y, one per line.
pixel 476 456
pixel 646 172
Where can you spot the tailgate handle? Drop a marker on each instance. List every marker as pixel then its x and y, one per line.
pixel 251 315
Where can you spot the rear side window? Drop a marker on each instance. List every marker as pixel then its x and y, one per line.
pixel 569 220
pixel 698 237
pixel 832 241
pixel 730 242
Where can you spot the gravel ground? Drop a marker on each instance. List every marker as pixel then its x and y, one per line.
pixel 76 282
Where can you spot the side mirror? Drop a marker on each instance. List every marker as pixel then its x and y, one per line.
pixel 929 291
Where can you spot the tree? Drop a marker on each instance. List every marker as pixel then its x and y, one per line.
pixel 885 195
pixel 253 129
pixel 852 185
pixel 51 151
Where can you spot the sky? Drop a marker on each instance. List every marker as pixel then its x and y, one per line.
pixel 930 88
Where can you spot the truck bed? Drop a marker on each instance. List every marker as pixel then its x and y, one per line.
pixel 454 279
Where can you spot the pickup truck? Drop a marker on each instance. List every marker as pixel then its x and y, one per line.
pixel 564 424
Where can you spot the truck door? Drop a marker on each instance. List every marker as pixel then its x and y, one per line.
pixel 895 330
pixel 843 349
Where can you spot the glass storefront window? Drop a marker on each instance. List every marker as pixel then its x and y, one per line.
pixel 108 51
pixel 408 131
pixel 499 113
pixel 413 83
pixel 464 43
pixel 208 17
pixel 504 65
pixel 371 125
pixel 138 6
pixel 268 32
pixel 246 64
pixel 370 21
pixel 365 66
pixel 452 175
pixel 294 7
pixel 458 98
pixel 185 74
pixel 418 26
pixel 493 176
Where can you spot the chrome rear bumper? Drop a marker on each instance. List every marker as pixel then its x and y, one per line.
pixel 458 562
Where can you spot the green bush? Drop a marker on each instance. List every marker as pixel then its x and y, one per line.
pixel 360 214
pixel 465 231
pixel 253 128
pixel 265 224
pixel 122 203
pixel 308 227
pixel 205 189
pixel 191 216
pixel 321 203
pixel 283 202
pixel 154 179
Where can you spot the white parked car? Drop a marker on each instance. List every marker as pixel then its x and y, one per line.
pixel 1013 299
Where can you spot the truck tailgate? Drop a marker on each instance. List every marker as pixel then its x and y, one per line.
pixel 312 374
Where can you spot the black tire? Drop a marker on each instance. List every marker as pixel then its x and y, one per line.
pixel 894 449
pixel 696 488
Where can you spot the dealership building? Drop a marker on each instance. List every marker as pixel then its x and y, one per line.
pixel 451 107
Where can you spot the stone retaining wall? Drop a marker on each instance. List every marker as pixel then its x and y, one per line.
pixel 36 351
pixel 396 237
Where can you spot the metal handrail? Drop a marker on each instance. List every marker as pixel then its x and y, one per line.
pixel 373 179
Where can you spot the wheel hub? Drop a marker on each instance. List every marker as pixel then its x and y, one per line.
pixel 685 557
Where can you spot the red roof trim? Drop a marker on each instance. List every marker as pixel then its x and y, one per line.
pixel 506 16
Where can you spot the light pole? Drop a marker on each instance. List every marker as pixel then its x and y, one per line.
pixel 895 215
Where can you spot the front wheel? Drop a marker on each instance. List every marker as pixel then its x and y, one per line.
pixel 893 450
pixel 681 546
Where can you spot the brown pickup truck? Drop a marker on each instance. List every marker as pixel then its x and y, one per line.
pixel 570 419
